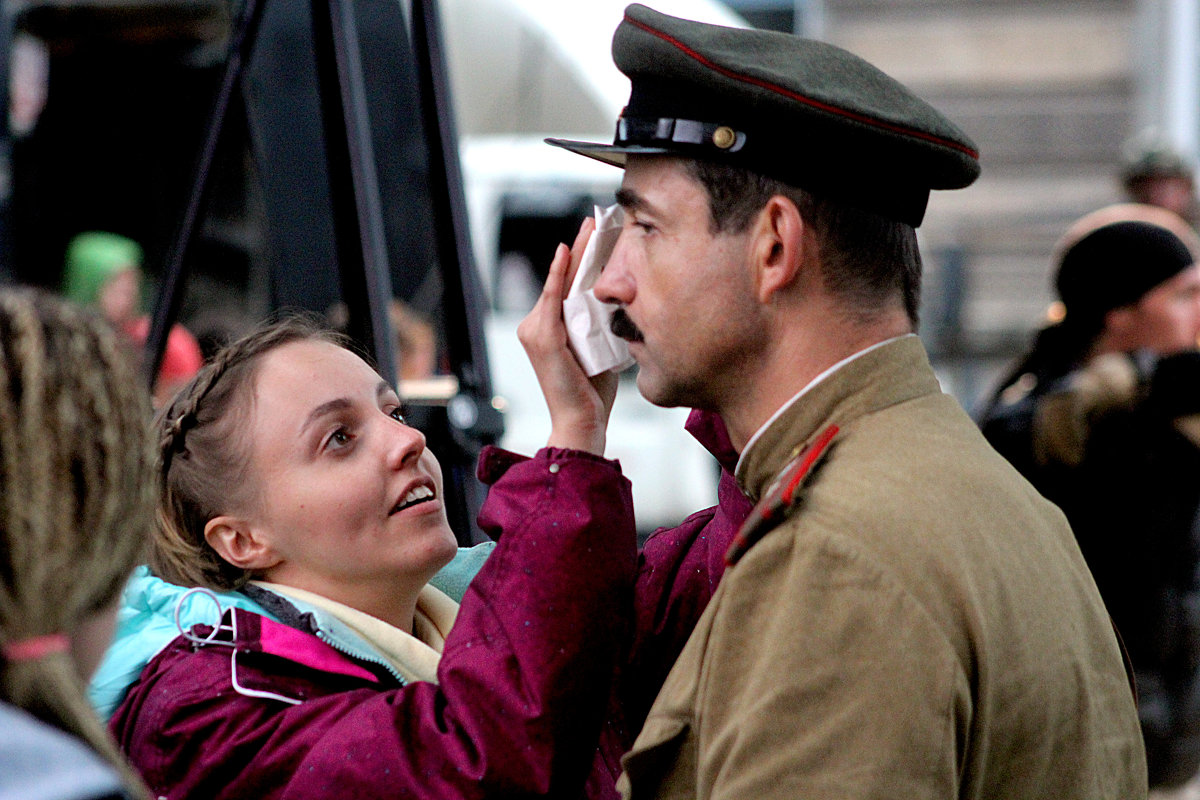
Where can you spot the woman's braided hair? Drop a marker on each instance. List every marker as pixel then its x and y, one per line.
pixel 77 495
pixel 203 453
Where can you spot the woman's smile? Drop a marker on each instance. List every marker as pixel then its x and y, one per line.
pixel 422 493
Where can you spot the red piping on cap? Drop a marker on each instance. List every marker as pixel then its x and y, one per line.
pixel 801 98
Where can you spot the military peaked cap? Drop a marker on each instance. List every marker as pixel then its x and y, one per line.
pixel 797 110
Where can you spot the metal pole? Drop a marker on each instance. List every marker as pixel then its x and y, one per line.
pixel 170 296
pixel 1165 69
pixel 464 324
pixel 1181 93
pixel 472 419
pixel 808 18
pixel 354 184
pixel 7 25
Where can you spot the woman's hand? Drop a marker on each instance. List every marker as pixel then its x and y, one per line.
pixel 579 406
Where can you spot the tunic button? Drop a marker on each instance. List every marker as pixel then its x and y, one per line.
pixel 554 469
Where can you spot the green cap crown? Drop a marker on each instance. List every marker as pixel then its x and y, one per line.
pixel 802 111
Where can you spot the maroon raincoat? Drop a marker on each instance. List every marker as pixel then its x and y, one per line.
pixel 518 706
pixel 678 571
pixel 520 698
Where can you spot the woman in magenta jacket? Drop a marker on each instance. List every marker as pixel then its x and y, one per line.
pixel 318 535
pixel 290 478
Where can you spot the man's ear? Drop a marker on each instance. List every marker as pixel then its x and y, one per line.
pixel 779 246
pixel 240 544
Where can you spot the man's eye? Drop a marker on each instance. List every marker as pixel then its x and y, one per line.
pixel 338 439
pixel 396 415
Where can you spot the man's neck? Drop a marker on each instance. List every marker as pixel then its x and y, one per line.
pixel 793 366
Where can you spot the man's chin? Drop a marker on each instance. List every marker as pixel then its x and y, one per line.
pixel 657 392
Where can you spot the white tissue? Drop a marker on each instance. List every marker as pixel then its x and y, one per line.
pixel 586 317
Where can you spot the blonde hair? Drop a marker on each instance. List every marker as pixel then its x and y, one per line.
pixel 76 506
pixel 202 468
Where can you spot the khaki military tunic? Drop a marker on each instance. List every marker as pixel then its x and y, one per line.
pixel 922 626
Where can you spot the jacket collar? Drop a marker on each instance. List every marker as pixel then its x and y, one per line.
pixel 892 373
pixel 310 620
pixel 707 428
pixel 311 649
pixel 412 656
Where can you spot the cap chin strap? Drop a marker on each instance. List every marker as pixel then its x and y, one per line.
pixel 662 130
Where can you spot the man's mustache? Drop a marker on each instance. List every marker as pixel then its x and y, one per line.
pixel 622 326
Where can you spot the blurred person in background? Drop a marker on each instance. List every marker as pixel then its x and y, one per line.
pixel 1154 172
pixel 104 270
pixel 1102 415
pixel 414 339
pixel 75 513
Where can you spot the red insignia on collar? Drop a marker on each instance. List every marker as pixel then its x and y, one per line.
pixel 780 497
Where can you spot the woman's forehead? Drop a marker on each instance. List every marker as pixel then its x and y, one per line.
pixel 315 356
pixel 311 372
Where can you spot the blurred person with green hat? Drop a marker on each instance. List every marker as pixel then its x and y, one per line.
pixel 104 270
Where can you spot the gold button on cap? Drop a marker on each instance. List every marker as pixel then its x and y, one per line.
pixel 724 137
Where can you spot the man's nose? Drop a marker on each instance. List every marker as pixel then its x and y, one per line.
pixel 615 284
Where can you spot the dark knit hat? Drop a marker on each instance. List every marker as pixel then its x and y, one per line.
pixel 1115 265
pixel 800 111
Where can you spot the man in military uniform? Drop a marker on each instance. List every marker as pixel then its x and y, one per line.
pixel 904 616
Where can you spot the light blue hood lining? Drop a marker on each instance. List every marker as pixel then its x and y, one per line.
pixel 146 623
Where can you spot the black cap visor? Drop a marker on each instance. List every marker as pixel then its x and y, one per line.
pixel 608 153
pixel 656 136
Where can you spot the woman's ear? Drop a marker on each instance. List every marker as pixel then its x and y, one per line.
pixel 1121 327
pixel 240 544
pixel 779 246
